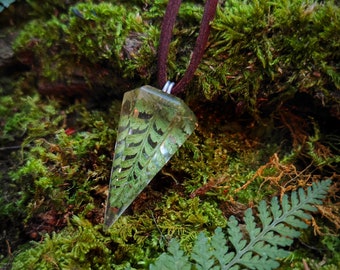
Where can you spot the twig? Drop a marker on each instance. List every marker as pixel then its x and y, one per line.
pixel 10 147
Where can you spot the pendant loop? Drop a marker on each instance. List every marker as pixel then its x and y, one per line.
pixel 168 87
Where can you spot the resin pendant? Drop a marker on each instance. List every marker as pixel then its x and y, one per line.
pixel 152 126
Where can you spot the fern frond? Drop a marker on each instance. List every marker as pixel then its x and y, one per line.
pixel 251 224
pixel 202 254
pixel 262 246
pixel 235 234
pixel 219 245
pixel 174 260
pixel 277 228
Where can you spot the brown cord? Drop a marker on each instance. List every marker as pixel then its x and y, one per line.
pixel 165 39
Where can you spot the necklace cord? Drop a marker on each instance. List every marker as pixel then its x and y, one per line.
pixel 198 52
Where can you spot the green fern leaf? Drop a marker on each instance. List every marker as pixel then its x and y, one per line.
pixel 285 231
pixel 5 4
pixel 302 214
pixel 218 243
pixel 294 199
pixel 264 215
pixel 279 228
pixel 295 222
pixel 277 239
pixel 202 254
pixel 235 234
pixel 267 250
pixel 249 219
pixel 275 208
pixel 175 260
pixel 258 262
pixel 262 245
pixel 285 204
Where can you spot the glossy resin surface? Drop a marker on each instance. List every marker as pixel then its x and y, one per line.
pixel 152 126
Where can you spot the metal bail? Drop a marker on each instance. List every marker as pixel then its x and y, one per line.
pixel 167 88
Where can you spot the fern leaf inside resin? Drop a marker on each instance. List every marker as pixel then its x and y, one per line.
pixel 152 126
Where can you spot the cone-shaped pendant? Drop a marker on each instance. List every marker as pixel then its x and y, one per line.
pixel 152 126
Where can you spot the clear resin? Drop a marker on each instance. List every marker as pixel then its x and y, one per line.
pixel 152 126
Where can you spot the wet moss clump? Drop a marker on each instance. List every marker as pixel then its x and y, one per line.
pixel 261 54
pixel 264 54
pixel 266 97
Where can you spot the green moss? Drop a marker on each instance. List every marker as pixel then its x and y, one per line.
pixel 90 34
pixel 58 165
pixel 277 61
pixel 321 150
pixel 272 50
pixel 260 54
pixel 134 240
pixel 122 39
pixel 48 8
pixel 179 216
pixel 98 32
pixel 218 166
pixel 79 246
pixel 325 252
